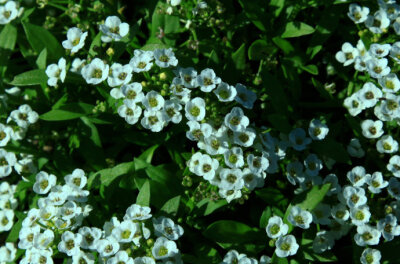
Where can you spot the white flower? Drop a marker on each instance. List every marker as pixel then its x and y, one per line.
pixel 379 50
pixel 44 182
pixel 370 256
pixel 390 83
pixel 7 252
pixel 388 227
pixel 175 2
pixel 244 138
pixel 313 165
pixel 299 217
pixel 206 168
pixel 394 165
pixel 354 104
pixel 164 226
pixel 5 134
pixel 24 116
pixel 153 101
pixel 77 179
pixel 124 232
pixel 376 182
pixel 378 68
pixel 317 130
pixel 372 129
pixel 354 196
pixel 294 172
pixel 234 158
pixel 77 65
pixel 75 39
pixel 83 257
pixel 165 58
pixel 70 243
pixel 394 188
pixel 355 149
pixel 164 248
pixel 120 257
pixel 225 92
pixel 207 80
pixel 276 227
pixel 153 120
pixel 6 220
pixel 378 22
pixel 340 213
pixel 257 164
pixel 25 165
pixel 335 186
pixel 323 241
pixel 231 179
pixel 369 94
pixel 8 12
pixel 214 145
pixel 357 13
pixel 172 112
pixel 142 61
pixel 367 235
pixel 90 236
pixel 360 215
pixel 107 246
pixel 195 109
pixel 236 120
pixel 144 260
pixel 390 106
pixel 347 55
pixel 188 77
pixel 286 246
pixel 244 96
pixel 230 195
pixel 113 29
pixel 253 180
pixel 95 72
pixel 298 139
pixel 43 240
pixel 137 212
pixel 56 72
pixel 119 74
pixel 357 176
pixel 395 50
pixel 198 131
pixel 387 145
pixel 7 161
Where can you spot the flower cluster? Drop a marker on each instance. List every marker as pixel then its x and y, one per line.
pixel 235 257
pixel 9 10
pixel 59 219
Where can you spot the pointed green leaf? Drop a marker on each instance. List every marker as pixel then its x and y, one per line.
pixel 143 197
pixel 33 77
pixel 297 29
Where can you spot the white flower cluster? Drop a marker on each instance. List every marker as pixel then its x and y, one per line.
pixel 234 257
pixel 9 10
pixel 7 205
pixel 62 212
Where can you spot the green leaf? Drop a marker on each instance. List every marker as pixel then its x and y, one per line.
pixel 259 50
pixel 147 155
pixel 228 231
pixel 297 29
pixel 33 77
pixel 107 176
pixel 143 197
pixel 239 57
pixel 310 68
pixel 326 256
pixel 212 206
pixel 266 214
pixel 40 38
pixel 95 45
pixel 68 112
pixel 283 44
pixel 14 233
pixel 41 59
pixel 171 207
pixel 8 38
pixel 277 6
pixel 329 147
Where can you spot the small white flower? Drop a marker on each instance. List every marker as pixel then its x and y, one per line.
pixel 357 13
pixel 124 232
pixel 313 165
pixel 8 12
pixel 6 220
pixel 195 109
pixel 376 182
pixel 231 179
pixel 70 243
pixel 144 260
pixel 276 227
pixel 236 120
pixel 390 83
pixel 298 139
pixel 299 217
pixel 389 227
pixel 379 50
pixel 369 94
pixel 113 29
pixel 340 213
pixel 347 55
pixel 234 158
pixel 90 236
pixel 367 235
pixel 165 58
pixel 137 212
pixel 95 72
pixel 354 104
pixel 43 240
pixel 8 252
pixel 188 77
pixel 357 176
pixel 335 186
pixel 164 226
pixel 294 172
pixel 142 61
pixel 378 22
pixel 225 92
pixel 83 257
pixel 286 246
pixel 198 131
pixel 323 241
pixel 44 182
pixel 77 65
pixel 7 161
pixel 387 145
pixel 56 72
pixel 394 188
pixel 75 39
pixel 354 196
pixel 244 138
pixel 164 248
pixel 378 68
pixel 23 116
pixel 317 130
pixel 244 96
pixel 253 180
pixel 119 74
pixel 257 164
pixel 355 149
pixel 360 215
pixel 207 80
pixel 394 165
pixel 372 129
pixel 230 195
pixel 77 179
pixel 172 112
pixel 5 134
pixel 395 50
pixel 107 246
pixel 120 257
pixel 153 101
pixel 206 167
pixel 153 120
pixel 370 256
